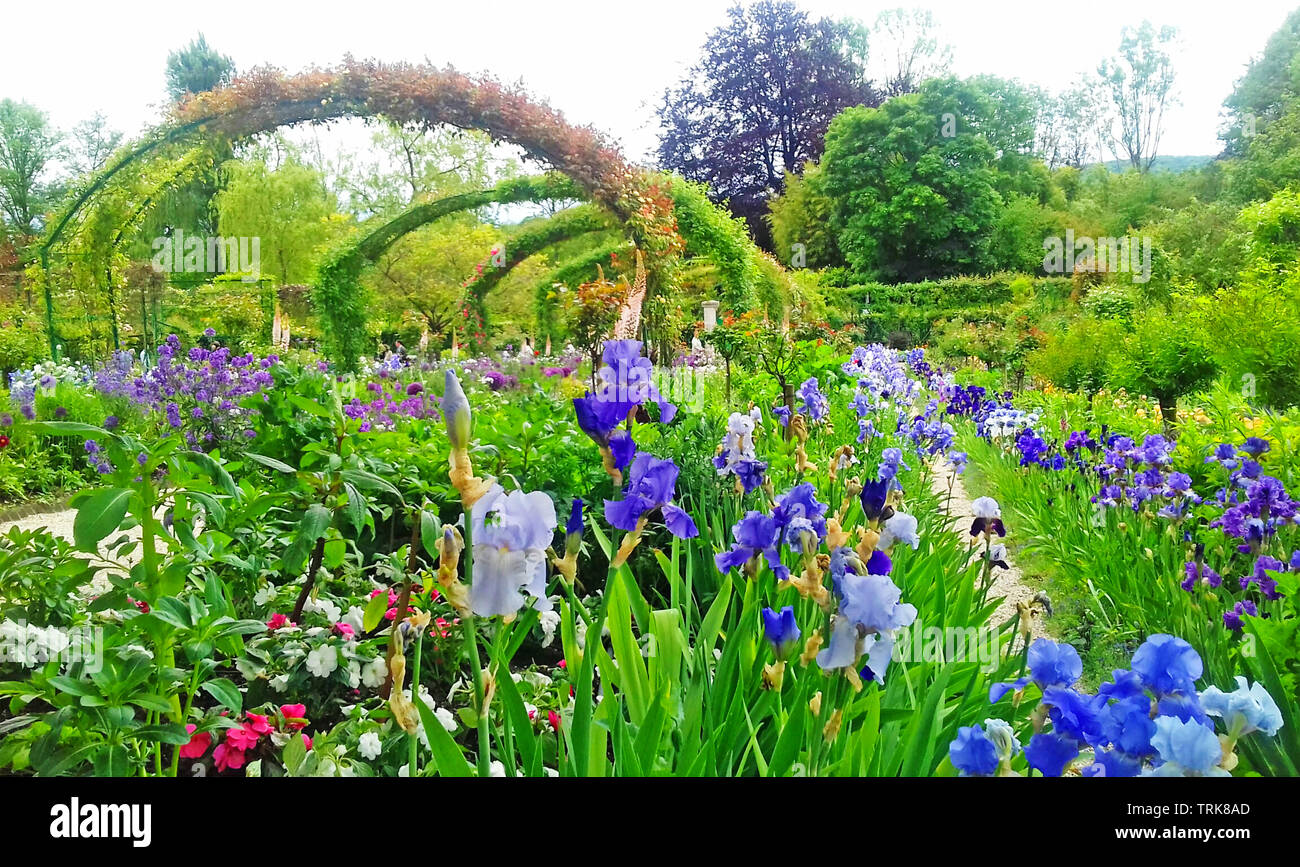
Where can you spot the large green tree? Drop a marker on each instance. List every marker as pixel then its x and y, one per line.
pixel 289 209
pixel 196 68
pixel 1263 93
pixel 1140 79
pixel 912 183
pixel 28 147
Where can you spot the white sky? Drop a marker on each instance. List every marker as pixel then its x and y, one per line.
pixel 601 63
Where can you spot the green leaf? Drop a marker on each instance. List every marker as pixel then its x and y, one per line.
pixel 447 757
pixel 99 516
pixel 278 465
pixel 167 734
pixel 376 608
pixel 336 550
pixel 225 692
pixel 430 532
pixel 293 754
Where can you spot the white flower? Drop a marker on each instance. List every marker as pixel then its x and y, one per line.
pixel 549 620
pixel 986 508
pixel 536 679
pixel 354 673
pixel 280 682
pixel 498 769
pixel 264 595
pixel 323 660
pixel 369 746
pixel 447 718
pixel 901 527
pixel 580 633
pixel 375 672
pixel 404 770
pixel 326 607
pixel 354 618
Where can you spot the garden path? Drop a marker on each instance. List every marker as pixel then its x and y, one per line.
pixel 1008 583
pixel 60 524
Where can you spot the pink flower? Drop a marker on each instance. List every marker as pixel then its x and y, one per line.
pixel 554 719
pixel 276 621
pixel 227 758
pixel 390 614
pixel 295 716
pixel 242 738
pixel 198 744
pixel 345 629
pixel 258 723
pixel 306 740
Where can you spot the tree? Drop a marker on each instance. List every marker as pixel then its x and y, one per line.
pixel 912 184
pixel 758 103
pixel 1262 94
pixel 197 68
pixel 28 145
pixel 802 215
pixel 1072 126
pixel 907 51
pixel 417 163
pixel 93 142
pixel 289 210
pixel 1141 83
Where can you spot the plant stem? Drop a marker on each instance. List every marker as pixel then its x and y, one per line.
pixel 471 628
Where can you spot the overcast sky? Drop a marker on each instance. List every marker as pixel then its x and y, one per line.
pixel 601 63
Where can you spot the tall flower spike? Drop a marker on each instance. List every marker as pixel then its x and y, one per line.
pixel 455 409
pixel 567 565
pixel 453 590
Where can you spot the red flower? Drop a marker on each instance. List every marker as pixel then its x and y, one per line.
pixel 4 441
pixel 554 719
pixel 198 744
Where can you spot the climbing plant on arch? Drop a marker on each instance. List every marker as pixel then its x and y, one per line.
pixel 339 296
pixel 267 99
pixel 642 203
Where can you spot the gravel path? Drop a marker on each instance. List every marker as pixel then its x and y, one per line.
pixel 60 524
pixel 1008 583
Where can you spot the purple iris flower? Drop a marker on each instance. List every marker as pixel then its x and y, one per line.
pixel 797 512
pixel 755 534
pixel 780 630
pixel 651 485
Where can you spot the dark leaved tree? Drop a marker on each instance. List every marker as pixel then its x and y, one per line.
pixel 758 103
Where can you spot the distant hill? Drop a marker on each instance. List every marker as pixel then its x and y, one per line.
pixel 1164 164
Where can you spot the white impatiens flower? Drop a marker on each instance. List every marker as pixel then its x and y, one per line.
pixel 280 682
pixel 375 672
pixel 355 618
pixel 264 595
pixel 900 528
pixel 549 621
pixel 323 660
pixel 447 718
pixel 497 769
pixel 325 607
pixel 354 673
pixel 369 746
pixel 986 508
